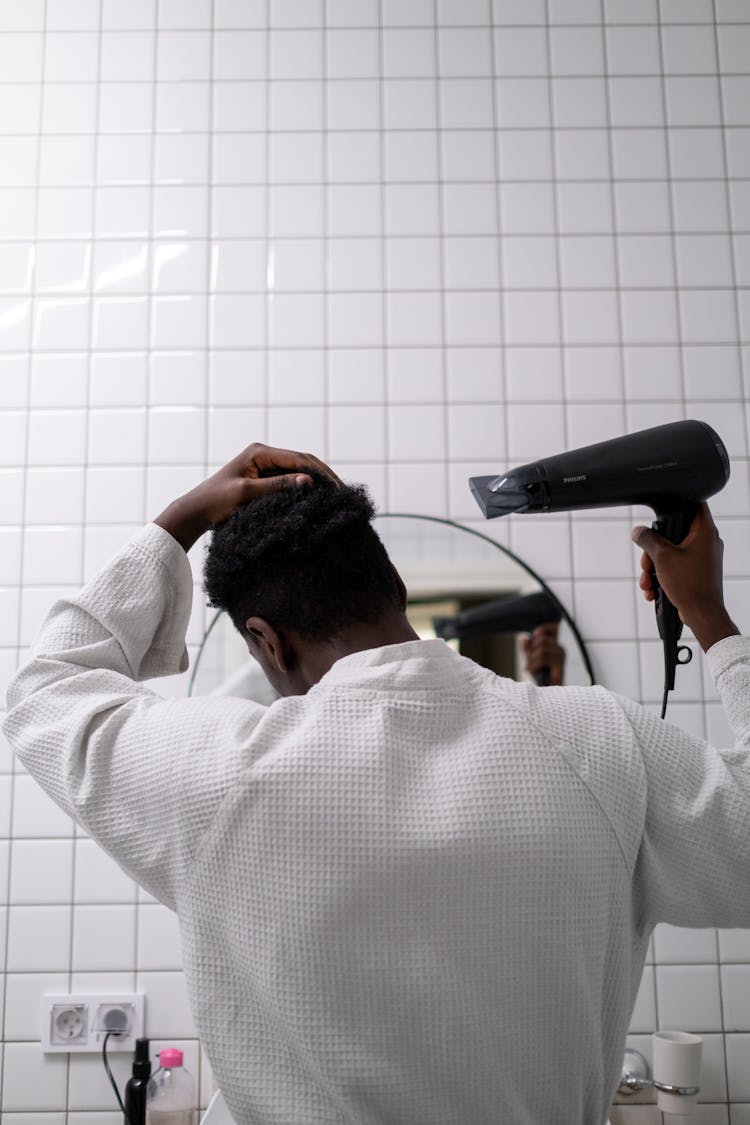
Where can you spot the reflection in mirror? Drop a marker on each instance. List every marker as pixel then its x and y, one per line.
pixel 454 576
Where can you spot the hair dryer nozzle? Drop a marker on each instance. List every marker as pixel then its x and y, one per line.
pixel 513 492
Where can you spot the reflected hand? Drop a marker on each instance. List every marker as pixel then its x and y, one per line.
pixel 237 483
pixel 543 651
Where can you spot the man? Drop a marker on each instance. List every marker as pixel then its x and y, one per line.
pixel 409 891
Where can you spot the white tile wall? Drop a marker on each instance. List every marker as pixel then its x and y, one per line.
pixel 422 238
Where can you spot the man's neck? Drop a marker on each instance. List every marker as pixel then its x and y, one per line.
pixel 317 659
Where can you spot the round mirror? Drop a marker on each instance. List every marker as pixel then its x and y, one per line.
pixel 480 597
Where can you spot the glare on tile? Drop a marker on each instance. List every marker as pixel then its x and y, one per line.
pixel 14 316
pixel 120 322
pixel 127 263
pixel 166 254
pixel 61 323
pixel 63 267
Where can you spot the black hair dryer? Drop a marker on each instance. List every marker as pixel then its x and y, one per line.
pixel 668 468
pixel 503 615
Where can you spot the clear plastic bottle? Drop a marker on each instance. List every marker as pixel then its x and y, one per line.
pixel 170 1097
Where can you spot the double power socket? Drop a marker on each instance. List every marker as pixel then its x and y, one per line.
pixel 80 1022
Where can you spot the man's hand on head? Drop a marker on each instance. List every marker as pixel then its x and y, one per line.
pixel 239 482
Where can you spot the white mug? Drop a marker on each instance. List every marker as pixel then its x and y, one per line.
pixel 677 1063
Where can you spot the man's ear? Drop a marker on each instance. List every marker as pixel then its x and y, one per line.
pixel 266 642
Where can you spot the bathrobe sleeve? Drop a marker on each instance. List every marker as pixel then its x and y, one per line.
pixel 142 774
pixel 693 867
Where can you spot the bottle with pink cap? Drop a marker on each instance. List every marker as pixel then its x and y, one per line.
pixel 170 1097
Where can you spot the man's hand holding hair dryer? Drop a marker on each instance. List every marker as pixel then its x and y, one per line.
pixel 690 573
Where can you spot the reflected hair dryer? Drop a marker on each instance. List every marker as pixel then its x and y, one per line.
pixel 668 468
pixel 504 615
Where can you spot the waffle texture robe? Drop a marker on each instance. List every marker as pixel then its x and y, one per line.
pixel 418 895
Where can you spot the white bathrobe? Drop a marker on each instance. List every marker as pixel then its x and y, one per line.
pixel 419 894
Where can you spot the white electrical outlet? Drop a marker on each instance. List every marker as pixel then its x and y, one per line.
pixel 80 1022
pixel 68 1024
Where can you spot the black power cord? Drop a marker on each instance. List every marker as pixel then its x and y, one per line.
pixel 111 1076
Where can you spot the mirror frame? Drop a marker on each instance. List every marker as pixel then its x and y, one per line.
pixel 470 531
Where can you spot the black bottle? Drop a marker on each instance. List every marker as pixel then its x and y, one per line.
pixel 135 1089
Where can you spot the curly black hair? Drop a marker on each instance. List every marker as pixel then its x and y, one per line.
pixel 304 558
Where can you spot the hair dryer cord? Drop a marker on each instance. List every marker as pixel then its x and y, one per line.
pixel 674 526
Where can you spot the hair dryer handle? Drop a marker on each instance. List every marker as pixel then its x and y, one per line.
pixel 543 677
pixel 674 526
